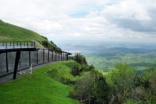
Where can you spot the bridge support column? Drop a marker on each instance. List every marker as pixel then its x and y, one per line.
pixel 29 58
pixel 18 54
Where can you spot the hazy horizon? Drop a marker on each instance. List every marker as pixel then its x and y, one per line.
pixel 87 46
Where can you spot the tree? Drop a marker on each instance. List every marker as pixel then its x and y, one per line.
pixel 91 88
pixel 80 59
pixel 101 88
pixel 122 81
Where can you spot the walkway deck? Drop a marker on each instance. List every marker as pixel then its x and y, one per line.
pixel 19 55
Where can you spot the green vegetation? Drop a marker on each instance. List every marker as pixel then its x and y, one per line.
pixel 64 74
pixel 80 59
pixel 141 61
pixel 38 88
pixel 9 32
pixel 58 83
pixel 120 86
pixel 73 81
pixel 12 32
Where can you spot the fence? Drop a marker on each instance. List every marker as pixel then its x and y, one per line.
pixel 17 44
pixel 27 58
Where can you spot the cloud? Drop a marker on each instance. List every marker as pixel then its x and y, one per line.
pixel 136 15
pixel 100 20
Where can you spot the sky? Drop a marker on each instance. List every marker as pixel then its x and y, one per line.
pixel 87 20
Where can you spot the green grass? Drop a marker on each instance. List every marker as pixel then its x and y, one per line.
pixel 63 74
pixel 38 88
pixel 10 32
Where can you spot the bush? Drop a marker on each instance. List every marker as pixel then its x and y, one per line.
pixel 50 45
pixel 75 67
pixel 122 81
pixel 61 72
pixel 87 68
pixel 91 88
pixel 122 85
pixel 83 88
pixel 80 59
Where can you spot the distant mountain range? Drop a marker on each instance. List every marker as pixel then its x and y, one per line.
pixel 87 46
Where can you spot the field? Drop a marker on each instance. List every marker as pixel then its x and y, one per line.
pixel 38 88
pixel 107 60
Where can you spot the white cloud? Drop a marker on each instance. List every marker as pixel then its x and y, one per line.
pixel 122 20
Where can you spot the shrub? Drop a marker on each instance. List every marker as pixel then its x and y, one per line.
pixel 50 45
pixel 75 67
pixel 122 81
pixel 80 59
pixel 91 88
pixel 83 88
pixel 61 72
pixel 87 68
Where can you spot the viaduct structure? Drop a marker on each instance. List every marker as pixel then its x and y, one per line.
pixel 16 56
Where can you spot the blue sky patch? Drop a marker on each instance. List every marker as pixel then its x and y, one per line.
pixel 79 14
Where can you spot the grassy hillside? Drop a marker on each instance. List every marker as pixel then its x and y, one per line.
pixel 9 32
pixel 38 88
pixel 12 32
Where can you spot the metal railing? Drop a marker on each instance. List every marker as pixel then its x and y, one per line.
pixel 17 44
pixel 29 56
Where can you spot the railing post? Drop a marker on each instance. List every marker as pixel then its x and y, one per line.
pixel 20 44
pixel 6 44
pixel 43 56
pixel 27 44
pixel 10 43
pixel 37 57
pixel 7 69
pixel 67 57
pixel 61 56
pixel 29 58
pixel 55 56
pixel 18 53
pixel 48 55
pixel 13 44
pixel 52 56
pixel 34 44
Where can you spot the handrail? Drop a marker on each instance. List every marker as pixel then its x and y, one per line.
pixel 23 44
pixel 17 44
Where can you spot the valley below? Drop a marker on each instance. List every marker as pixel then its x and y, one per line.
pixel 140 59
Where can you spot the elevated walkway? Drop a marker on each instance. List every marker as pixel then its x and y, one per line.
pixel 11 46
pixel 16 56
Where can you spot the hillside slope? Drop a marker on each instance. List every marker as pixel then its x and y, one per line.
pixel 10 32
pixel 36 88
